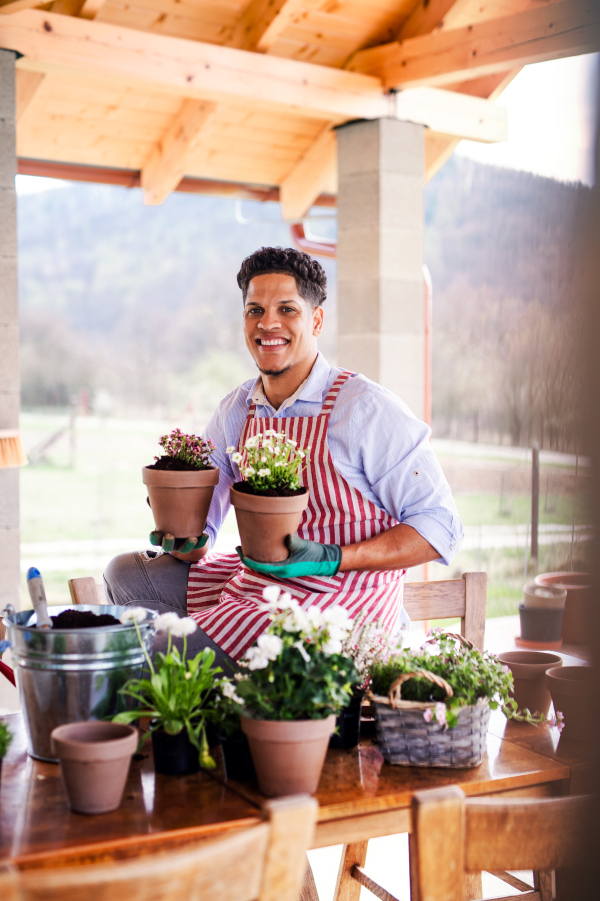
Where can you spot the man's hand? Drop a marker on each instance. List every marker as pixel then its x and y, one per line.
pixel 188 549
pixel 307 558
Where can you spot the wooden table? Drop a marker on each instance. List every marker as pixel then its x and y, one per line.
pixel 360 798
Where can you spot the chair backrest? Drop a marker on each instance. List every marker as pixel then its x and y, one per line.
pixel 447 599
pixel 264 863
pixel 85 591
pixel 453 835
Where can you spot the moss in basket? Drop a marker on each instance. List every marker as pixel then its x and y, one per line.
pixel 6 737
pixel 472 674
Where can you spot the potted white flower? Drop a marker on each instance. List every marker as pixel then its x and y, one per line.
pixel 180 487
pixel 294 681
pixel 270 499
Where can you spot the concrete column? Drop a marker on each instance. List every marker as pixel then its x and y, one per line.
pixel 381 166
pixel 9 331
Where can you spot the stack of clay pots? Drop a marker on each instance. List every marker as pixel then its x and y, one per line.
pixel 541 615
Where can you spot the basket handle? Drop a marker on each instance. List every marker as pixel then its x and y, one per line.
pixel 396 686
pixel 464 641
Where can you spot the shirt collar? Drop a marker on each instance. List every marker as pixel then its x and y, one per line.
pixel 311 390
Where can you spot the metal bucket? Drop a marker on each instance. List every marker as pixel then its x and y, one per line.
pixel 73 675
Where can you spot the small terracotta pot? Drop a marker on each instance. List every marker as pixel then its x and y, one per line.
pixel 548 596
pixel 540 623
pixel 576 624
pixel 529 674
pixel 572 691
pixel 94 762
pixel 288 755
pixel 264 522
pixel 180 500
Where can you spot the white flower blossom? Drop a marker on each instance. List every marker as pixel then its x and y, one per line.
pixel 249 471
pixel 270 645
pixel 264 472
pixel 303 652
pixel 252 441
pixel 271 593
pixel 333 646
pixel 263 460
pixel 237 458
pixel 230 449
pixel 279 463
pixel 185 626
pixel 271 433
pixel 291 442
pixel 133 615
pixel 300 454
pixel 166 621
pixel 256 660
pixel 228 689
pixel 286 601
pixel 276 451
pixel 315 617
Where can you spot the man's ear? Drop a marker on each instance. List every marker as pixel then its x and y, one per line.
pixel 317 320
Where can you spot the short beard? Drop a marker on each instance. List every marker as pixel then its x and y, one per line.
pixel 274 373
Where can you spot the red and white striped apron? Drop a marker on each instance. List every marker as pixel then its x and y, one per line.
pixel 225 598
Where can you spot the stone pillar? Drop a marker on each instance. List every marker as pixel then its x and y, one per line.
pixel 9 331
pixel 381 167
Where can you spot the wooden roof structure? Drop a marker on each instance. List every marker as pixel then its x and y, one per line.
pixel 244 95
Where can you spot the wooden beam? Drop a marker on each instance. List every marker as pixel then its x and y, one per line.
pixel 28 84
pixel 429 15
pixel 261 24
pixel 194 69
pixel 309 176
pixel 549 32
pixel 7 7
pixel 453 114
pixel 91 8
pixel 166 165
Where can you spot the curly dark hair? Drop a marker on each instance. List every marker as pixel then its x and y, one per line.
pixel 309 275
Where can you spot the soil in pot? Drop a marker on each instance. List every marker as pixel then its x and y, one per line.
pixel 264 521
pixel 94 762
pixel 83 619
pixel 572 693
pixel 180 499
pixel 576 624
pixel 288 755
pixel 174 755
pixel 529 673
pixel 541 623
pixel 348 724
pixel 237 758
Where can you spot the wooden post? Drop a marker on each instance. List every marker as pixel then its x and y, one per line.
pixel 535 504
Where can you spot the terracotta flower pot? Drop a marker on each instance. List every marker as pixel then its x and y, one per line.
pixel 264 522
pixel 180 500
pixel 542 624
pixel 288 755
pixel 576 624
pixel 572 693
pixel 548 596
pixel 94 762
pixel 529 674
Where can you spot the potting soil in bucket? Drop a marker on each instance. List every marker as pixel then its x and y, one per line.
pixel 73 674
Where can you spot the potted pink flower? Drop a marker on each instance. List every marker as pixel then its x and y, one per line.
pixel 180 485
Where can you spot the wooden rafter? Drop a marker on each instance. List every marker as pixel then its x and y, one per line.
pixel 261 24
pixel 429 15
pixel 309 176
pixel 91 8
pixel 27 86
pixel 549 32
pixel 7 7
pixel 166 166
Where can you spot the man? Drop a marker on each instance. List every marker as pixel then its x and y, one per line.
pixel 379 501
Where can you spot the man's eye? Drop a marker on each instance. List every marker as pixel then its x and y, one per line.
pixel 253 311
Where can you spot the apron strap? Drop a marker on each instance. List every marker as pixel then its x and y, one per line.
pixel 334 391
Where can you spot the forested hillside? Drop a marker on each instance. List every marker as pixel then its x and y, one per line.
pixel 141 303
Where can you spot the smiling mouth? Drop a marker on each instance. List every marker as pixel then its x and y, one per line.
pixel 272 342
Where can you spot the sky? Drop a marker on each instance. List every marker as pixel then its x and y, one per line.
pixel 551 121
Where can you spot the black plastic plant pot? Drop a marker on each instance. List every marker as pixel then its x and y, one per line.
pixel 213 736
pixel 541 623
pixel 237 758
pixel 174 755
pixel 348 724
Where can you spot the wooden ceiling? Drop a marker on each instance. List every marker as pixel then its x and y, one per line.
pixel 250 92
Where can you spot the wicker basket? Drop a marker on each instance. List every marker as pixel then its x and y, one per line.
pixel 405 738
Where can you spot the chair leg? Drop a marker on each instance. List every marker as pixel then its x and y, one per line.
pixel 347 888
pixel 308 892
pixel 544 884
pixel 473 886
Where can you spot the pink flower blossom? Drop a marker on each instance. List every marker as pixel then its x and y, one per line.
pixel 440 713
pixel 428 715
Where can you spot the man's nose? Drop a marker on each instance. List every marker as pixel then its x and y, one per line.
pixel 270 320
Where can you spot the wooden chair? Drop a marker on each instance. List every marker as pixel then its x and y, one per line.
pixel 448 599
pixel 264 863
pixel 85 591
pixel 454 835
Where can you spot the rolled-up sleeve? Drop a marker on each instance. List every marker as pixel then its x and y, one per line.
pixel 389 448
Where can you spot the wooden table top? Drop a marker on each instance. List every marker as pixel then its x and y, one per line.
pixel 359 796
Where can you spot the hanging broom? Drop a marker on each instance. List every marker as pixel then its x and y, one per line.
pixel 11 449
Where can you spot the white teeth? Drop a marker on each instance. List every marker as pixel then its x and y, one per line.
pixel 266 343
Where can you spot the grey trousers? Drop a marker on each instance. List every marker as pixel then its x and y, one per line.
pixel 159 581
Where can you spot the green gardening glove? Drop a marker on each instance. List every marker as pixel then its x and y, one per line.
pixel 307 558
pixel 181 545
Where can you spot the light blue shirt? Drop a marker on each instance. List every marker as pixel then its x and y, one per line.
pixel 375 442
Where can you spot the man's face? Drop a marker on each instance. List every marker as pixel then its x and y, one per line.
pixel 280 327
